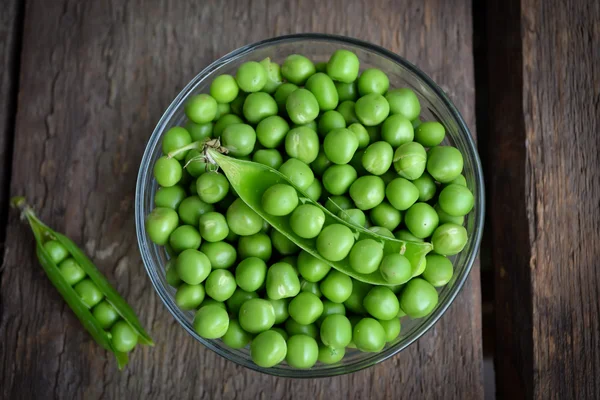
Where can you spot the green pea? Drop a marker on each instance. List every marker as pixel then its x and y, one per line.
pixel 302 106
pixel 220 284
pixel 337 179
pixel 410 160
pixel 237 105
pixel 386 216
pixel 343 66
pixel 236 337
pixel 283 244
pixel 404 101
pixel 380 230
pixel 297 69
pixel 250 274
pixel 282 93
pixel 199 132
pixel 421 220
pixel 251 77
pixel 361 134
pixel 340 145
pixel 259 106
pixel 373 80
pixel 171 275
pixel 336 331
pixel 381 303
pixel 438 271
pixel 331 308
pixel 353 216
pixel 58 252
pixel 224 122
pixel 123 337
pixel 420 268
pixel 430 134
pixel 222 110
pixel 302 351
pixel 222 255
pixel 389 176
pixel 367 192
pixel 281 310
pixel 294 328
pixel 335 242
pixel 329 121
pixel 201 108
pixel 160 223
pixel 418 298
pixel 239 297
pixel 192 266
pixel 354 302
pixel 324 90
pixel 426 186
pixel 302 143
pixel 444 163
pixel 175 138
pixel 239 139
pixel 368 335
pixel 305 308
pixel 397 130
pixel 449 239
pixel 456 200
pixel 372 109
pixel 337 203
pixel 307 221
pixel 459 180
pixel 298 172
pixel 212 187
pixel 374 133
pixel 211 322
pixel 346 91
pixel 271 131
pixel 71 271
pixel 184 237
pixel 189 297
pixel 257 245
pixel 312 125
pixel 328 355
pixel 378 157
pixel 282 281
pixel 195 165
pixel 347 109
pixel 192 208
pixel 269 157
pixel 282 332
pixel 268 349
pixel 242 219
pixel 105 314
pixel 274 78
pixel 256 315
pixel 395 269
pixel 213 226
pixel 365 256
pixel 279 200
pixel 391 328
pixel 310 287
pixel 167 171
pixel 336 286
pixel 447 218
pixel 311 268
pixel 315 190
pixel 224 88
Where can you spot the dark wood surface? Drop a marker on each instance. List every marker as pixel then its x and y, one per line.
pixel 545 123
pixel 95 78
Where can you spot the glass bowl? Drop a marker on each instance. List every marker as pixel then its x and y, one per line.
pixel 434 105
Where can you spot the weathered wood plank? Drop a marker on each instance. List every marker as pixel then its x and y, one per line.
pixel 545 115
pixel 96 78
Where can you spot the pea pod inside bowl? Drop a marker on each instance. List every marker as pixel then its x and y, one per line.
pixel 359 140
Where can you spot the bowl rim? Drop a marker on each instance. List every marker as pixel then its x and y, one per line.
pixel 453 291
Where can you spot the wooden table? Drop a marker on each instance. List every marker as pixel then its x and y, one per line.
pixel 84 82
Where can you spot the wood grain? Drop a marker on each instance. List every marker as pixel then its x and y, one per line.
pixel 545 106
pixel 96 78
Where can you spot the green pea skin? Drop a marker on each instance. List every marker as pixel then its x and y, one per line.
pixel 242 219
pixel 331 308
pixel 391 328
pixel 418 298
pixel 191 208
pixel 213 226
pixel 396 269
pixel 365 256
pixel 236 337
pixel 175 138
pixel 386 216
pixel 280 199
pixel 211 322
pixel 239 297
pixel 335 242
pixel 361 134
pixel 421 220
pixel 274 78
pixel 224 88
pixel 297 69
pixel 459 180
pixel 307 221
pixel 430 133
pixel 212 187
pixel 336 331
pixel 329 121
pixel 302 351
pixel 373 80
pixel 397 130
pixel 298 172
pixel 311 268
pixel 224 121
pixel 123 337
pixel 239 139
pixel 315 190
pixel 346 91
pixel 201 108
pixel 449 239
pixel 328 355
pixel 251 77
pixel 447 218
pixel 302 143
pixel 372 109
pixel 404 234
pixel 294 328
pixel 444 163
pixel 192 266
pixel 343 66
pixel 337 179
pixel 185 237
pixel 354 302
pixel 310 287
pixel 410 160
pixel 381 303
pixel 222 109
pixel 438 271
pixel 268 349
pixel 171 275
pixel 377 158
pixel 160 223
pixel 336 286
pixel 302 106
pixel 305 308
pixel 271 131
pixel 58 252
pixel 367 192
pixel 340 145
pixel 195 165
pixel 283 244
pixel 324 90
pixel 220 284
pixel 269 157
pixel 282 93
pixel 426 186
pixel 105 314
pixel 71 271
pixel 259 106
pixel 199 131
pixel 404 101
pixel 167 171
pixel 257 245
pixel 368 335
pixel 353 216
pixel 189 297
pixel 281 310
pixel 456 200
pixel 282 281
pixel 250 274
pixel 256 315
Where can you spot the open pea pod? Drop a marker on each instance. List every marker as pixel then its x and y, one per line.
pixel 42 234
pixel 250 180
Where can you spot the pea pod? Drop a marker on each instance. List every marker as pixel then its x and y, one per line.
pixel 250 180
pixel 42 234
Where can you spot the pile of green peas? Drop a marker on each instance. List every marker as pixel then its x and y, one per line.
pixel 351 143
pixel 123 337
